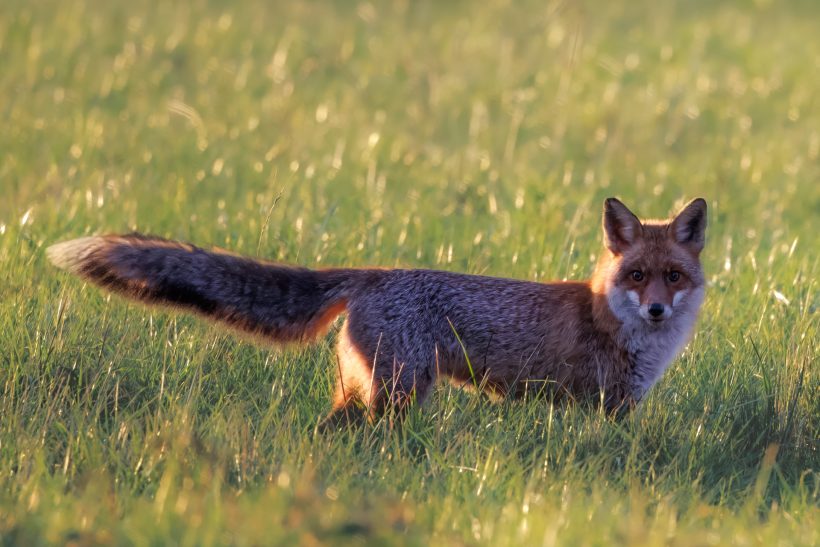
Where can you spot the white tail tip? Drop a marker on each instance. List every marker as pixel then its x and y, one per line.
pixel 70 255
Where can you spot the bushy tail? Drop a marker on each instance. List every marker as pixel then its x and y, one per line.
pixel 286 304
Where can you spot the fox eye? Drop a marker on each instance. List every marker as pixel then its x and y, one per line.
pixel 637 275
pixel 673 276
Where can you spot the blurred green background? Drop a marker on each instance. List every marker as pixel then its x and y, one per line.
pixel 471 136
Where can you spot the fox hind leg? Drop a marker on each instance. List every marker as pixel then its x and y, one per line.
pixel 400 384
pixel 367 388
pixel 353 393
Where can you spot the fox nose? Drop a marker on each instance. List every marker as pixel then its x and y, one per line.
pixel 656 309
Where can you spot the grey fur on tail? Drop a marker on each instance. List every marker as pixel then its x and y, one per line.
pixel 283 303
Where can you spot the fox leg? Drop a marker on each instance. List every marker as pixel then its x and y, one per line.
pixel 367 387
pixel 400 384
pixel 353 393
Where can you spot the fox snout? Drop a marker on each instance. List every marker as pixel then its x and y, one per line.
pixel 655 312
pixel 656 299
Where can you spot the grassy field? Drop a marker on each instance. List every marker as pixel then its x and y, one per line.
pixel 478 137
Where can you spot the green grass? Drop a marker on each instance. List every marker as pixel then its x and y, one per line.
pixel 478 137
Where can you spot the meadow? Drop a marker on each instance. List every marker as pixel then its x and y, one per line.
pixel 478 137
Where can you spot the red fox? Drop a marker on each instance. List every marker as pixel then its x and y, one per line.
pixel 608 339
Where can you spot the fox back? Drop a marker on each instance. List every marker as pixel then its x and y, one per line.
pixel 609 339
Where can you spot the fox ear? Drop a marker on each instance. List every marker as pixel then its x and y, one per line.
pixel 621 228
pixel 689 226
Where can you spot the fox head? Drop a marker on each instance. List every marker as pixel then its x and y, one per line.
pixel 651 272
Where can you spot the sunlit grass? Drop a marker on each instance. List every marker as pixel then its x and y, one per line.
pixel 469 137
